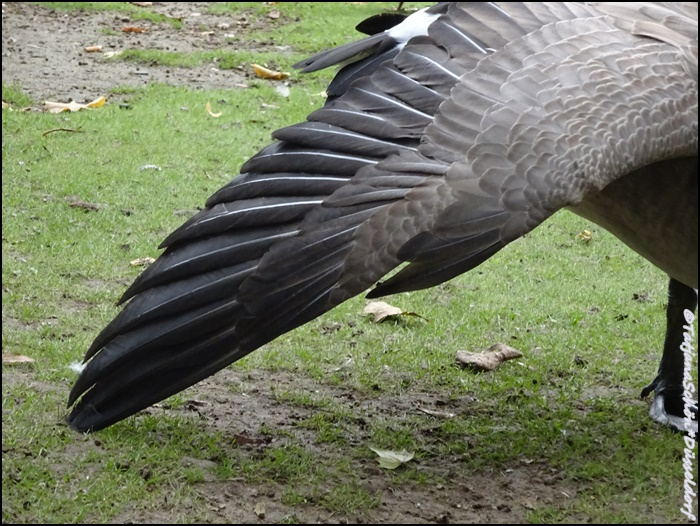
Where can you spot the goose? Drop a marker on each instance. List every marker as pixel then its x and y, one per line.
pixel 446 135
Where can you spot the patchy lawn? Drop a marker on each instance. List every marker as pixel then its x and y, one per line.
pixel 559 435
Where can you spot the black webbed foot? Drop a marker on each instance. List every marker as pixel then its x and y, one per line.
pixel 673 405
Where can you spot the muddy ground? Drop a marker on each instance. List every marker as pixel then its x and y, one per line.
pixel 42 51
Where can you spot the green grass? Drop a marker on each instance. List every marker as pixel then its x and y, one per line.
pixel 134 12
pixel 12 94
pixel 570 405
pixel 222 59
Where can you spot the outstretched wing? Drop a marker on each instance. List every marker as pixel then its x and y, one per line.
pixel 467 138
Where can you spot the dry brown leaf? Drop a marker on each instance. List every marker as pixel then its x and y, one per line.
pixel 488 360
pixel 13 357
pixel 268 74
pixel 84 205
pixel 58 107
pixel 382 310
pixel 133 29
pixel 208 106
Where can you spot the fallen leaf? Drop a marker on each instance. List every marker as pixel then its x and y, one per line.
pixel 208 107
pixel 97 103
pixel 391 459
pixel 269 74
pixel 86 206
pixel 260 510
pixel 487 360
pixel 585 236
pixel 58 107
pixel 381 310
pixel 438 414
pixel 141 262
pixel 13 357
pixel 133 29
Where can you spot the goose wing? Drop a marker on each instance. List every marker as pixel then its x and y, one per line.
pixel 469 137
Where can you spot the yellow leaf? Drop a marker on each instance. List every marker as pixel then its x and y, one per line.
pixel 58 107
pixel 97 103
pixel 208 106
pixel 382 310
pixel 265 73
pixel 141 262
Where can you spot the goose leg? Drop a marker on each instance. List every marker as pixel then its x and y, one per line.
pixel 668 407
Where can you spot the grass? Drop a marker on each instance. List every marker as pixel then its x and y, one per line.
pixel 222 59
pixel 345 383
pixel 13 95
pixel 126 8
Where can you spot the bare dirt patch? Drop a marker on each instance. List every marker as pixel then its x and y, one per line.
pixel 494 495
pixel 43 49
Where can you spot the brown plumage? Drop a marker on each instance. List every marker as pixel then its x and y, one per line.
pixel 438 153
